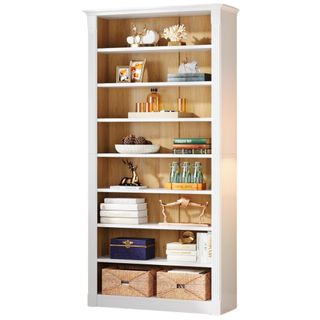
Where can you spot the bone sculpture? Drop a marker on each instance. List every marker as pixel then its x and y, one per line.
pixel 184 203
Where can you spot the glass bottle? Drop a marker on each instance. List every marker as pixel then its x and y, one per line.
pixel 186 175
pixel 175 172
pixel 197 173
pixel 154 99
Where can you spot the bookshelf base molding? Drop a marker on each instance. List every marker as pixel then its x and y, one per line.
pixel 159 304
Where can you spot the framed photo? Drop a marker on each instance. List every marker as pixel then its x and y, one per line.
pixel 137 69
pixel 123 74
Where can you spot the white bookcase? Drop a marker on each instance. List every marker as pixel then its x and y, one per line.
pixel 212 42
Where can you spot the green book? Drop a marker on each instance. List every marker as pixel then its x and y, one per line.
pixel 191 141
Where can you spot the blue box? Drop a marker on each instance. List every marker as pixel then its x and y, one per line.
pixel 132 248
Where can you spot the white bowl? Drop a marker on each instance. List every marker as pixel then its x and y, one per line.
pixel 137 148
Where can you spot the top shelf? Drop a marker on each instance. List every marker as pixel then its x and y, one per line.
pixel 156 49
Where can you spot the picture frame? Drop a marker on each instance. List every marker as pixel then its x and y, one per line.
pixel 137 70
pixel 123 74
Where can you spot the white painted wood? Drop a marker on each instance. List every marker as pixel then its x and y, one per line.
pixel 156 49
pixel 155 84
pixel 156 262
pixel 153 303
pixel 215 163
pixel 92 178
pixel 155 226
pixel 163 11
pixel 107 120
pixel 228 134
pixel 155 190
pixel 154 155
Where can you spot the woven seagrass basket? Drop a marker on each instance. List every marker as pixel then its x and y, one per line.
pixel 129 281
pixel 183 286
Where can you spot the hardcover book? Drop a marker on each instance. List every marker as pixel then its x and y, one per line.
pixel 124 200
pixel 191 146
pixel 139 220
pixel 181 246
pixel 116 206
pixel 189 77
pixel 191 141
pixel 181 252
pixel 123 214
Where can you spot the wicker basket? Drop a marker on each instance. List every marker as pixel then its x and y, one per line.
pixel 134 281
pixel 184 286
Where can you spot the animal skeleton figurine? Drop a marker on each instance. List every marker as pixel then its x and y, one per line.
pixel 184 203
pixel 134 180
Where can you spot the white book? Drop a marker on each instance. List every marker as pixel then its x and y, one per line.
pixel 200 247
pixel 128 187
pixel 181 246
pixel 209 247
pixel 124 200
pixel 191 271
pixel 182 252
pixel 123 214
pixel 118 206
pixel 181 258
pixel 141 220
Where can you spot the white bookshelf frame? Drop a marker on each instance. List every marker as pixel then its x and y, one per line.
pixel 223 159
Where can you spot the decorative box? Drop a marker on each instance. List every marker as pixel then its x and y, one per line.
pixel 129 281
pixel 132 248
pixel 185 286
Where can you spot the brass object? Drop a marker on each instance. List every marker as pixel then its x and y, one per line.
pixel 184 203
pixel 182 104
pixel 140 107
pixel 134 179
pixel 127 243
pixel 187 237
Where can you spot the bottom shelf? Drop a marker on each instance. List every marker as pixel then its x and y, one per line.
pixel 153 303
pixel 155 261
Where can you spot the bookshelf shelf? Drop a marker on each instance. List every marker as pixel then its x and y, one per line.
pixel 155 226
pixel 156 49
pixel 212 43
pixel 155 84
pixel 155 262
pixel 156 191
pixel 125 120
pixel 154 155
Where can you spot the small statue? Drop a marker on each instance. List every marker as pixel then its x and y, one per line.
pixel 134 180
pixel 184 203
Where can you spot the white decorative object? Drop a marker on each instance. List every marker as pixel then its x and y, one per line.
pixel 137 148
pixel 145 37
pixel 175 33
pixel 189 67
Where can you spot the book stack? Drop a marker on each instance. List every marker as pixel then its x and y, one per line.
pixel 123 211
pixel 185 77
pixel 177 251
pixel 192 146
pixel 204 247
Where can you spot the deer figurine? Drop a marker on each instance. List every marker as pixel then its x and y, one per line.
pixel 134 180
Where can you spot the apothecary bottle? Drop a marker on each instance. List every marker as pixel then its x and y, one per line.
pixel 154 99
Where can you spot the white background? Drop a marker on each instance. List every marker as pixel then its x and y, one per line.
pixel 43 171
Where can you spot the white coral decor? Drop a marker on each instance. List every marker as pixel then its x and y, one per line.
pixel 175 33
